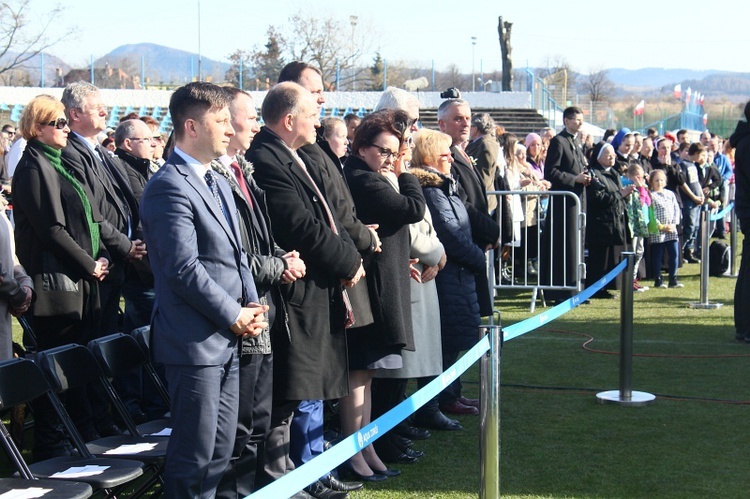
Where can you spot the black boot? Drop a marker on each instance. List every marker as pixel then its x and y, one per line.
pixel 689 257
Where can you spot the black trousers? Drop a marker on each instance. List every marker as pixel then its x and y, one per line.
pixel 742 288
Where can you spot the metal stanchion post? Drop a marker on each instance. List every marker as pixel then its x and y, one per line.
pixel 733 243
pixel 704 303
pixel 625 395
pixel 489 414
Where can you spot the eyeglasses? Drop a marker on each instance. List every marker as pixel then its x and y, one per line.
pixel 146 139
pixel 385 153
pixel 59 123
pixel 157 138
pixel 9 132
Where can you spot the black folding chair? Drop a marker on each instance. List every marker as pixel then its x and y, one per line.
pixel 71 366
pixel 22 381
pixel 118 354
pixel 52 489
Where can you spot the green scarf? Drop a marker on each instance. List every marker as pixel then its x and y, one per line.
pixel 54 156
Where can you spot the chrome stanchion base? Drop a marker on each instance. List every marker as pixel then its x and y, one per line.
pixel 637 399
pixel 706 306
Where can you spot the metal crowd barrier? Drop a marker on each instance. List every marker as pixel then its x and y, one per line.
pixel 521 263
pixel 706 219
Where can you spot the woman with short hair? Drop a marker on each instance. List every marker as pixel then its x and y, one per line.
pixel 57 241
pixel 387 195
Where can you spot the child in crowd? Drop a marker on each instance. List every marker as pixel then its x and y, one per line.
pixel 637 207
pixel 667 214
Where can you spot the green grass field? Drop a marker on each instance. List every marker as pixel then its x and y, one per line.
pixel 558 442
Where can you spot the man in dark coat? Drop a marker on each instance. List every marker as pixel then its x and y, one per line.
pixel 566 170
pixel 454 118
pixel 329 177
pixel 94 168
pixel 741 140
pixel 310 362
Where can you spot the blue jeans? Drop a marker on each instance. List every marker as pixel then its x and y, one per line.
pixel 691 222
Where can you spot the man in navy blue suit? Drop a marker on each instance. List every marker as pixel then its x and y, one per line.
pixel 206 301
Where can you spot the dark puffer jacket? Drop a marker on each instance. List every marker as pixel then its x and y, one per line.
pixel 456 284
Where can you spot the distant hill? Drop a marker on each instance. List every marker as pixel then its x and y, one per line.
pixel 655 77
pixel 34 69
pixel 162 64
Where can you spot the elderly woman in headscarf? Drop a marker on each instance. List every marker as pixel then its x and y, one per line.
pixel 606 223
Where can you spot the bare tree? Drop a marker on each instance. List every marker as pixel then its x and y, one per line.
pixel 503 31
pixel 24 33
pixel 598 86
pixel 330 44
pixel 240 60
pixel 559 76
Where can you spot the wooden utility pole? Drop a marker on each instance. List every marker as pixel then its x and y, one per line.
pixel 503 31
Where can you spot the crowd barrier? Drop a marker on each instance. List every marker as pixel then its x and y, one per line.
pixel 706 218
pixel 488 349
pixel 522 256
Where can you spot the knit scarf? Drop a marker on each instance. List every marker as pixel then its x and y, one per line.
pixel 54 156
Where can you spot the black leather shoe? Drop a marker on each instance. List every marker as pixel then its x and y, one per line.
pixel 398 458
pixel 412 433
pixel 386 472
pixel 436 420
pixel 401 441
pixel 301 495
pixel 334 483
pixel 348 470
pixel 414 453
pixel 320 491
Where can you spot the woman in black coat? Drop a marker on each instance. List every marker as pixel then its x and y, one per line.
pixel 391 199
pixel 57 242
pixel 606 231
pixel 456 283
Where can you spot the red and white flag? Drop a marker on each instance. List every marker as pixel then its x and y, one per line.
pixel 678 91
pixel 705 119
pixel 688 93
pixel 639 108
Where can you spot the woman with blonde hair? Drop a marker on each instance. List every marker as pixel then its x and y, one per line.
pixel 456 283
pixel 58 243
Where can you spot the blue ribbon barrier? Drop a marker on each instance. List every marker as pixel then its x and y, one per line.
pixel 722 213
pixel 540 320
pixel 321 465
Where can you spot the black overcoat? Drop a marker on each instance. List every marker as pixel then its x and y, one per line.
pixel 311 361
pixel 378 202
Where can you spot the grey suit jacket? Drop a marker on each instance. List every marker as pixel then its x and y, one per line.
pixel 200 270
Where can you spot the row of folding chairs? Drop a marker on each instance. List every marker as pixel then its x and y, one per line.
pixel 105 466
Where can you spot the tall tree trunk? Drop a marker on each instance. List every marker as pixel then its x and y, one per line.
pixel 503 30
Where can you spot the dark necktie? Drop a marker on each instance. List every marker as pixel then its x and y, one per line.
pixel 241 181
pixel 211 183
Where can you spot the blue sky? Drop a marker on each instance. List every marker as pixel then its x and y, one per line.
pixel 590 35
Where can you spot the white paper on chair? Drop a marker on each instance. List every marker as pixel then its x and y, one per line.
pixel 131 449
pixel 161 433
pixel 80 471
pixel 27 493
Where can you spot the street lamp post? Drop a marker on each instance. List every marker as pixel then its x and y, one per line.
pixel 353 20
pixel 473 72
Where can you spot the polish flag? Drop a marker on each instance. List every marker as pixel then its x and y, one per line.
pixel 678 91
pixel 705 119
pixel 639 108
pixel 688 93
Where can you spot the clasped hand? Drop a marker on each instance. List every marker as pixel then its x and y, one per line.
pixel 252 320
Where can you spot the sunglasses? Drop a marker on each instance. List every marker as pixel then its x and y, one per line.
pixel 60 123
